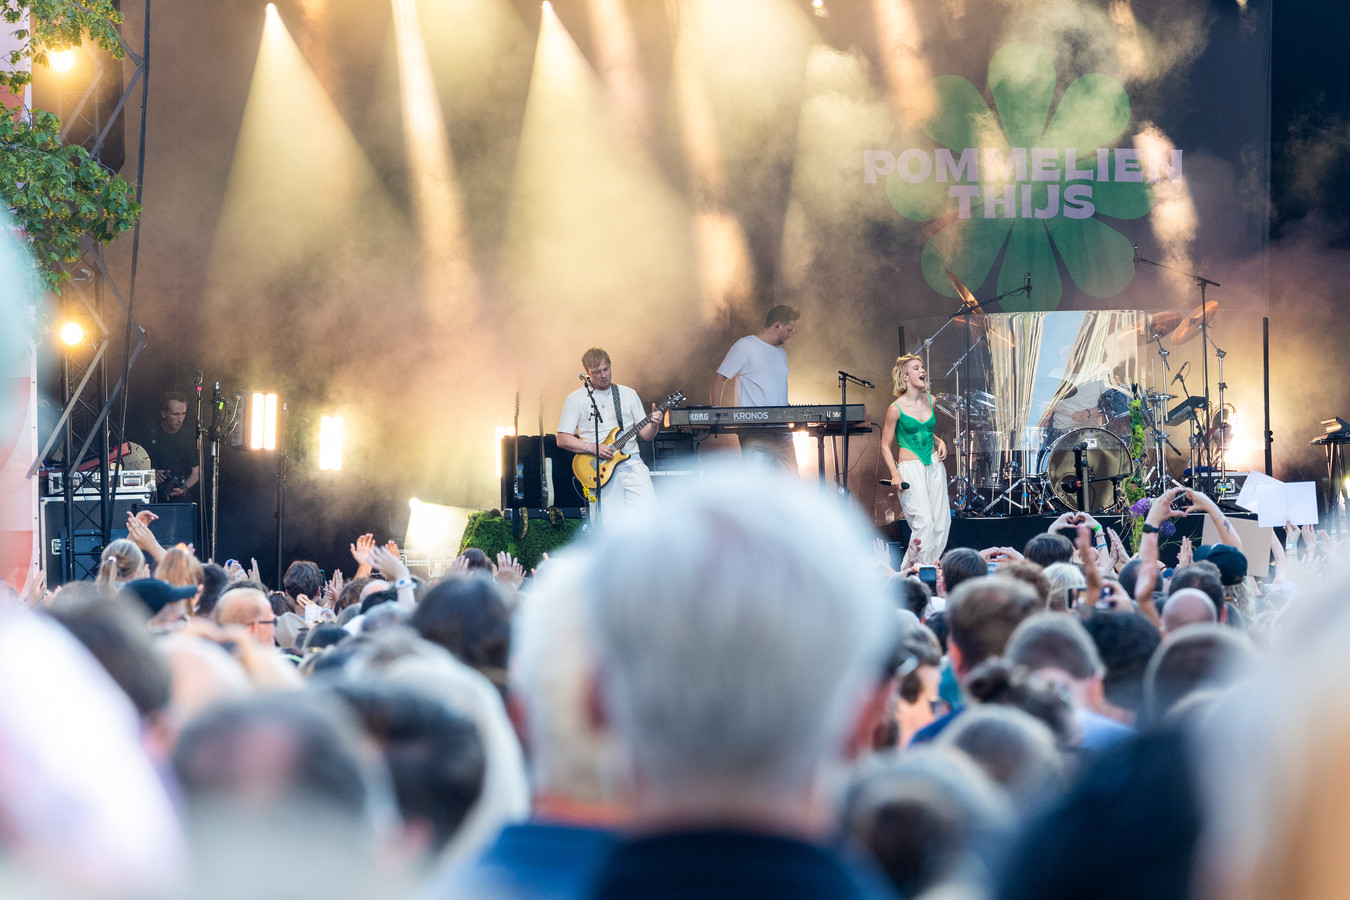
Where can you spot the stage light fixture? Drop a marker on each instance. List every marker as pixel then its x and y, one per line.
pixel 502 431
pixel 262 421
pixel 72 334
pixel 804 448
pixel 61 60
pixel 331 434
pixel 434 527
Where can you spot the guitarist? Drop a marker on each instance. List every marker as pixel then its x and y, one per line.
pixel 620 406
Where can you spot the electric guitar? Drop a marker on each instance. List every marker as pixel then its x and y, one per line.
pixel 592 471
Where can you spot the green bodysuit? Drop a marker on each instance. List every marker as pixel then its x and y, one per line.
pixel 916 436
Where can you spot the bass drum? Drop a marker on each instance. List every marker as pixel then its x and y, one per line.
pixel 1105 457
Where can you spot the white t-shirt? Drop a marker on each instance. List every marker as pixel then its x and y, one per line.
pixel 761 371
pixel 578 417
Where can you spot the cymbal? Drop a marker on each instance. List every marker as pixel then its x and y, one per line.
pixel 964 293
pixel 1160 324
pixel 1190 329
pixel 1154 327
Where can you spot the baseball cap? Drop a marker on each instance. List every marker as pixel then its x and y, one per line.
pixel 1232 564
pixel 155 594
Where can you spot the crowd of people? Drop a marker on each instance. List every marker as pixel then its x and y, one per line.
pixel 730 692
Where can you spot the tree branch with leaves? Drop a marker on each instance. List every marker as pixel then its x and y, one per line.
pixel 58 193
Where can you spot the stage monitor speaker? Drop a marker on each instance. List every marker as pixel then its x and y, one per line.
pixel 177 524
pixel 566 492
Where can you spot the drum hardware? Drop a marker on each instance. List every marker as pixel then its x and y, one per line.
pixel 970 312
pixel 1196 323
pixel 1219 434
pixel 970 309
pixel 961 403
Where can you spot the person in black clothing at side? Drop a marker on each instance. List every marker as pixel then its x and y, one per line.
pixel 173 450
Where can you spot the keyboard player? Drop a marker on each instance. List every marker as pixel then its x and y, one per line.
pixel 759 365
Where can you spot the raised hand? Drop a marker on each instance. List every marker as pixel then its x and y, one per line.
pixel 387 560
pixel 1118 554
pixel 881 553
pixel 140 535
pixel 254 572
pixel 1161 509
pixel 333 590
pixel 508 570
pixel 361 549
pixel 37 591
pixel 543 558
pixel 1186 555
pixel 145 516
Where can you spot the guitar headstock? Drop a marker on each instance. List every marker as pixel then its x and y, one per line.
pixel 674 399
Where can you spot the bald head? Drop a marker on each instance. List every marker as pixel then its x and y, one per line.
pixel 241 606
pixel 250 608
pixel 1188 606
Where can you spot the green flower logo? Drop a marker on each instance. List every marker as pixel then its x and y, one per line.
pixel 1010 182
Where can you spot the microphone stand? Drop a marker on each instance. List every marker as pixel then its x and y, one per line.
pixel 964 439
pixel 978 307
pixel 841 481
pixel 1202 282
pixel 202 522
pixel 281 488
pixel 595 409
pixel 217 408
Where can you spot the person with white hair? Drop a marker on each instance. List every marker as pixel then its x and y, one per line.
pixel 742 650
pixel 574 798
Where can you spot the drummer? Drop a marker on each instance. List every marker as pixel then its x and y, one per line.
pixel 1082 407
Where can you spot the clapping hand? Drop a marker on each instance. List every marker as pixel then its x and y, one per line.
pixel 1118 554
pixel 37 590
pixel 881 553
pixel 333 589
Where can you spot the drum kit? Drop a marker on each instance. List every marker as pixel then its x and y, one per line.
pixel 1047 470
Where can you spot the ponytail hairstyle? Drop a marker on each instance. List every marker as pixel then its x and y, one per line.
pixel 897 374
pixel 119 564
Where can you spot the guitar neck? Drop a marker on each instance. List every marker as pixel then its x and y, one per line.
pixel 632 432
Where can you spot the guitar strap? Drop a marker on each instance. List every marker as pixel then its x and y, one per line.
pixel 618 408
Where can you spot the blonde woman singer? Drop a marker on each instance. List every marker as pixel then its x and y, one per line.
pixel 910 421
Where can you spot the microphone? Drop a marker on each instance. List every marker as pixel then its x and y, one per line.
pixel 1027 286
pixel 197 383
pixel 1180 372
pixel 584 377
pixel 1136 254
pixel 861 381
